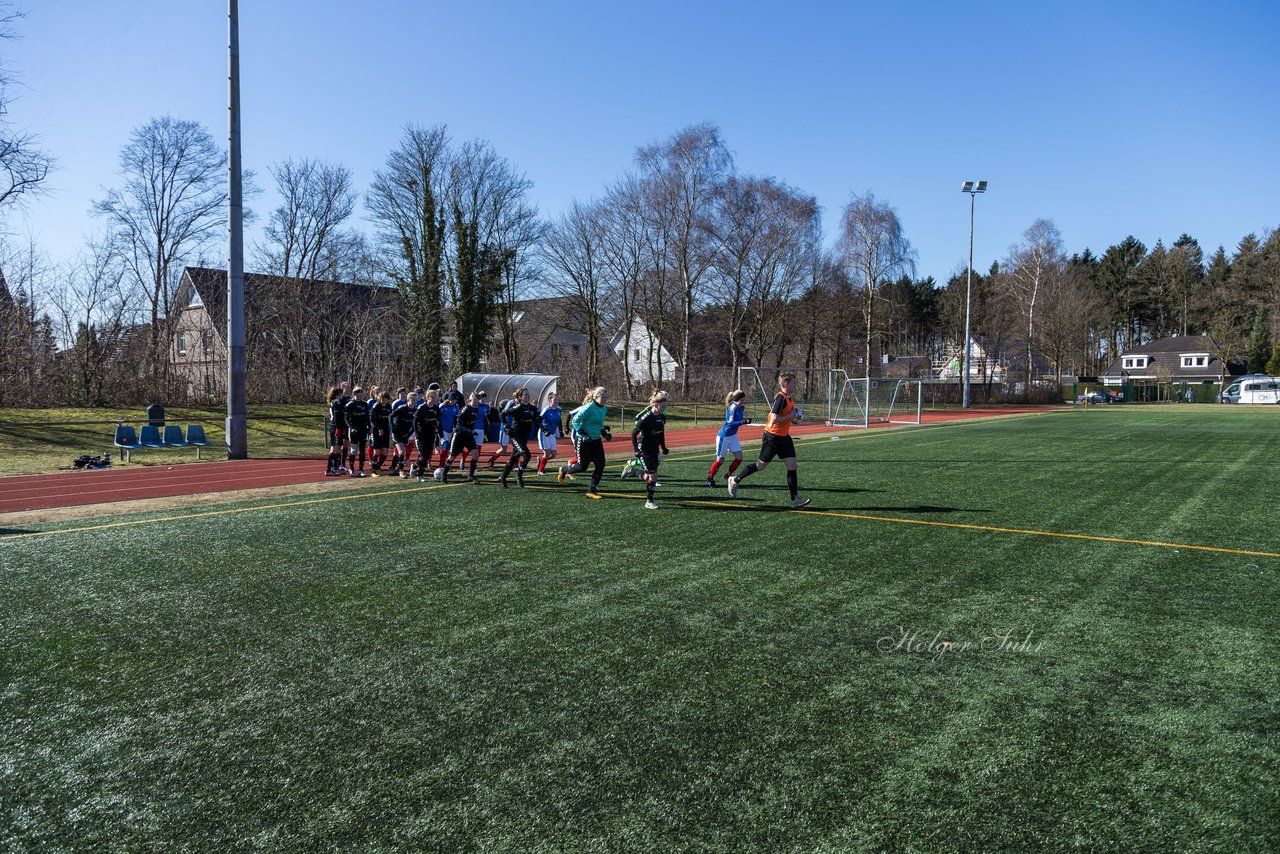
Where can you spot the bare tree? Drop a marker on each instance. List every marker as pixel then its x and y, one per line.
pixel 316 201
pixel 684 174
pixel 625 252
pixel 874 250
pixel 171 207
pixel 23 166
pixel 574 266
pixel 27 342
pixel 93 313
pixel 1034 271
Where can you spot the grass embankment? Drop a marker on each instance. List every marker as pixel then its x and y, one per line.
pixel 49 439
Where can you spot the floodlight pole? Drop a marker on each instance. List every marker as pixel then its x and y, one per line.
pixel 237 399
pixel 972 188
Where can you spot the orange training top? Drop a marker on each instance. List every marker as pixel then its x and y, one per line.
pixel 782 405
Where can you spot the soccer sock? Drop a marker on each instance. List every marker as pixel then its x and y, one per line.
pixel 791 484
pixel 715 467
pixel 474 460
pixel 733 466
pixel 748 471
pixel 542 464
pixel 650 489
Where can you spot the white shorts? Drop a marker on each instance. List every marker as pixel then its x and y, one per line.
pixel 445 439
pixel 545 442
pixel 479 434
pixel 726 445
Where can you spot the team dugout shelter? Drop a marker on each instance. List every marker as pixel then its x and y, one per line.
pixel 499 387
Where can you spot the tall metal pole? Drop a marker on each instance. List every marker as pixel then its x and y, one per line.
pixel 968 305
pixel 237 402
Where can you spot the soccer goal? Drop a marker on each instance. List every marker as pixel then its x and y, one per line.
pixel 864 401
pixel 816 391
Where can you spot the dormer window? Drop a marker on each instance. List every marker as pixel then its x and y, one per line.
pixel 195 299
pixel 1135 362
pixel 1195 360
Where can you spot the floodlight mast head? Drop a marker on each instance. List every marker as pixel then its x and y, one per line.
pixel 974 187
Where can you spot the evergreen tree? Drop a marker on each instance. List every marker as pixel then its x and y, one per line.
pixel 1259 343
pixel 1273 364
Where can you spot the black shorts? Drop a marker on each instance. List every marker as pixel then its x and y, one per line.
pixel 650 458
pixel 357 437
pixel 427 444
pixel 337 436
pixel 381 439
pixel 776 446
pixel 463 440
pixel 520 446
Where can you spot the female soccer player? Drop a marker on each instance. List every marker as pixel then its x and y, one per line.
pixel 588 424
pixel 727 439
pixel 337 432
pixel 464 438
pixel 551 430
pixel 648 438
pixel 380 431
pixel 426 427
pixel 776 441
pixel 402 436
pixel 448 421
pixel 518 417
pixel 357 430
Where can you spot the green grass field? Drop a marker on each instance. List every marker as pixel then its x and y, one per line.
pixel 462 668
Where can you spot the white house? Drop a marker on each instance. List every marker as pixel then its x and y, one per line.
pixel 644 354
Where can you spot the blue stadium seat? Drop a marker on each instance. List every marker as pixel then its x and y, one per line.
pixel 173 437
pixel 126 439
pixel 195 438
pixel 150 437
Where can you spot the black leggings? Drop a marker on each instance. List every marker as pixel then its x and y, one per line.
pixel 590 451
pixel 519 455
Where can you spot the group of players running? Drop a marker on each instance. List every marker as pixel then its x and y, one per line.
pixel 445 423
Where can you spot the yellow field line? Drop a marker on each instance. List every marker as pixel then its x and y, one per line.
pixel 996 529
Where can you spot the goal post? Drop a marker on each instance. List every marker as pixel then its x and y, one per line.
pixel 867 401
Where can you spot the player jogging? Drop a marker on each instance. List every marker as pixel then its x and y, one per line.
pixel 727 439
pixel 551 430
pixel 380 431
pixel 589 427
pixel 776 441
pixel 402 437
pixel 464 439
pixel 518 417
pixel 426 427
pixel 648 438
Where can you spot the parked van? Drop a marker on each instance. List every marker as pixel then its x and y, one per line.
pixel 1231 394
pixel 1260 390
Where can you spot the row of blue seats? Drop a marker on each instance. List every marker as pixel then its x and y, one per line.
pixel 129 439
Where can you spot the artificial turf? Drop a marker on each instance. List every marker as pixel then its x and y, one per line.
pixel 467 668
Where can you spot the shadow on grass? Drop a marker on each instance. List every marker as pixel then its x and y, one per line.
pixel 755 504
pixel 11 532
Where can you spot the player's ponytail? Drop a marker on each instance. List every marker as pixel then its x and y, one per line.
pixel 333 394
pixel 734 396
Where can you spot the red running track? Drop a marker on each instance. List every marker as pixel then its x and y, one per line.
pixel 107 486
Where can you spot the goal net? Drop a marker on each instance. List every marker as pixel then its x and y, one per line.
pixel 865 401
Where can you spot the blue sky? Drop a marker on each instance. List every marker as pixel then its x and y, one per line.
pixel 1109 118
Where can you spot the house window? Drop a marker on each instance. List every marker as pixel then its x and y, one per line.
pixel 182 343
pixel 1131 362
pixel 637 352
pixel 195 298
pixel 206 340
